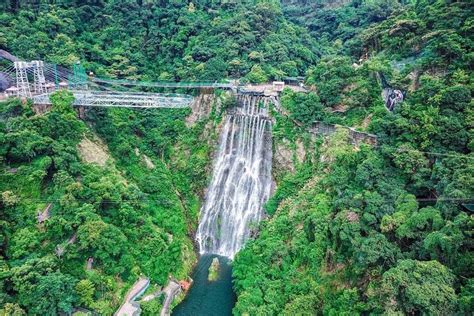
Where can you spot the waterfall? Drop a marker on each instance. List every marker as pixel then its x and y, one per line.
pixel 241 181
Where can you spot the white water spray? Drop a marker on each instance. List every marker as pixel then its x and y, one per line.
pixel 241 181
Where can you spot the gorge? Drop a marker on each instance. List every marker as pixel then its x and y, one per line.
pixel 352 194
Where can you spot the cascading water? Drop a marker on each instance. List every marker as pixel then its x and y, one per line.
pixel 241 184
pixel 241 181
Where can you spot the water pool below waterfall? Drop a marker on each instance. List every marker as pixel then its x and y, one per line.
pixel 209 298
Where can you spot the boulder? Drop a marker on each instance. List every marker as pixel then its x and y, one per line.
pixel 214 270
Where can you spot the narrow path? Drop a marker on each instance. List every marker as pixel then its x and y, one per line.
pixel 130 307
pixel 171 291
pixel 322 128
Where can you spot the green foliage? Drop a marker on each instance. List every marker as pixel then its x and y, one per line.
pixel 355 230
pixel 425 287
pixel 305 108
pixel 62 102
pixel 151 308
pixel 154 40
pixel 54 293
pixel 130 217
pixel 11 309
pixel 257 75
pixel 330 76
pixel 373 230
pixel 85 291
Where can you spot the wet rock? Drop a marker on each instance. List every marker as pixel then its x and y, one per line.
pixel 283 157
pixel 5 81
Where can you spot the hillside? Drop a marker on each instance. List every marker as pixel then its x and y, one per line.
pixel 149 40
pixel 365 229
pixel 69 198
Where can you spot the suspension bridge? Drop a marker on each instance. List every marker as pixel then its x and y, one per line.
pixel 37 80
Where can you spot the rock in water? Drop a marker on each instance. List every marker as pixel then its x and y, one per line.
pixel 213 270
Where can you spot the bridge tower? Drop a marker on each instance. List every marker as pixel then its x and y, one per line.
pixel 39 83
pixel 22 79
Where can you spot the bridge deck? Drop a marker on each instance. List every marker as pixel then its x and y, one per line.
pixel 122 99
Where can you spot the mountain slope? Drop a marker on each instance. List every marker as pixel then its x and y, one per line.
pixel 71 201
pixel 365 229
pixel 150 41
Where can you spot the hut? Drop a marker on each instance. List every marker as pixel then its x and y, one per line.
pixel 11 92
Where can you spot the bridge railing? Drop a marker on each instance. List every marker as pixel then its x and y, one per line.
pixel 166 84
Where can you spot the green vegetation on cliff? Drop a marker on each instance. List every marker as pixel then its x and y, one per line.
pixel 132 214
pixel 362 229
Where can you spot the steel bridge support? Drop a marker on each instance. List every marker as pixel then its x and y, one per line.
pixel 39 81
pixel 22 82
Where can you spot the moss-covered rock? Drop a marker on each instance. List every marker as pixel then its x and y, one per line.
pixel 214 270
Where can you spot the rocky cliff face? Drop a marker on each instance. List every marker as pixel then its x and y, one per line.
pixel 289 154
pixel 201 107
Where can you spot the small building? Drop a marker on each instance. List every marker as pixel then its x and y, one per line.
pixel 278 86
pixel 11 92
pixel 50 87
pixel 63 85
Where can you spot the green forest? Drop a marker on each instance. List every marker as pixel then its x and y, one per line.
pixel 351 229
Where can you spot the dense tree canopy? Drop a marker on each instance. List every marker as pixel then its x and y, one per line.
pixel 128 219
pixel 153 40
pixel 373 230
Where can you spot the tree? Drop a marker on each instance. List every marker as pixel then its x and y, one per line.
pixel 54 293
pixel 85 291
pixel 62 102
pixel 257 75
pixel 26 277
pixel 12 309
pixel 419 287
pixel 24 242
pixel 304 108
pixel 466 297
pixel 105 242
